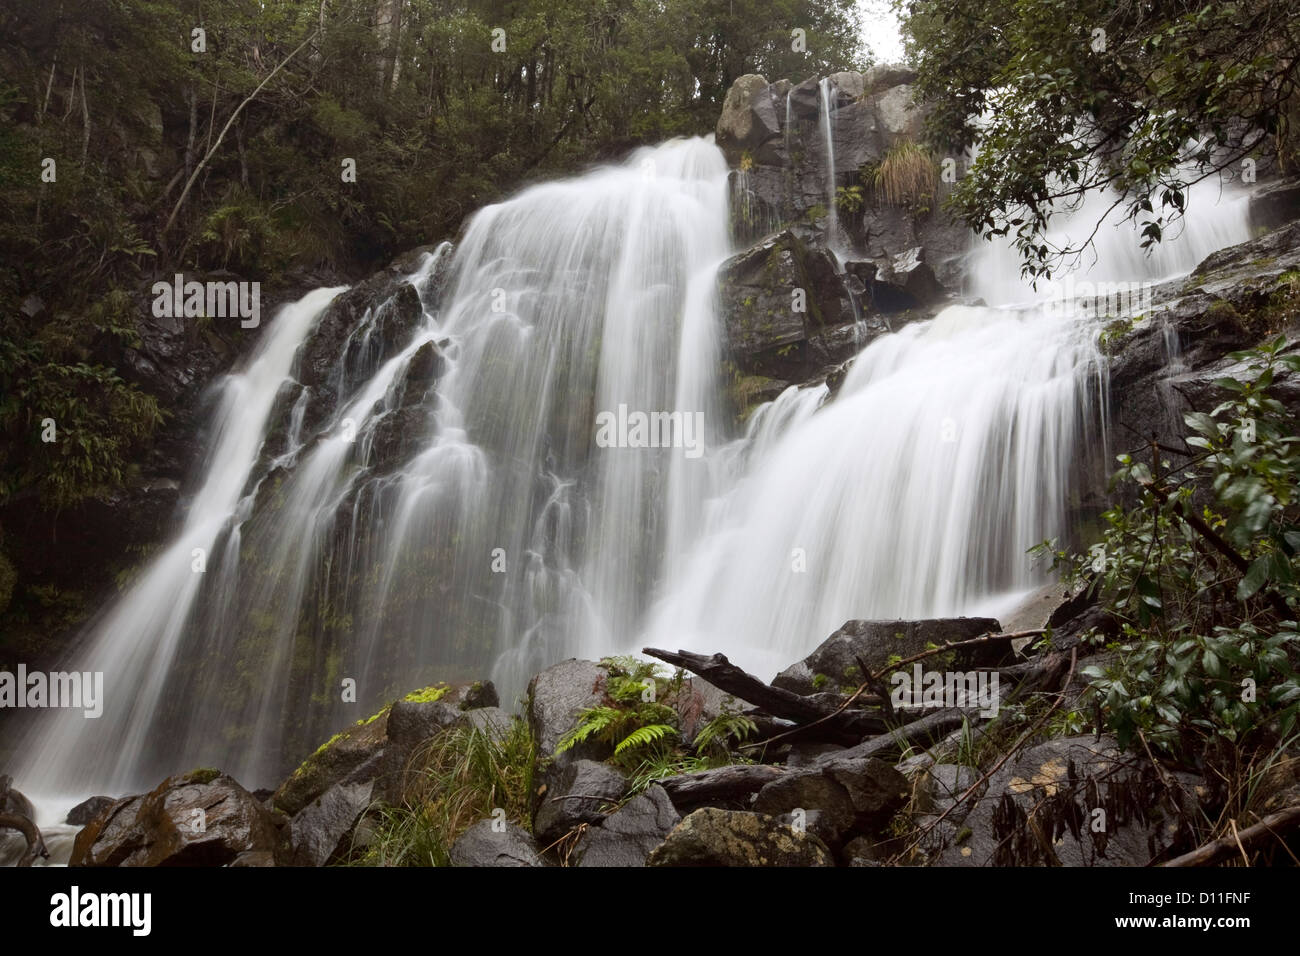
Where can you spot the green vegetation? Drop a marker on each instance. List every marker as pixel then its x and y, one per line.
pixel 905 176
pixel 467 776
pixel 1200 568
pixel 641 723
pixel 1067 96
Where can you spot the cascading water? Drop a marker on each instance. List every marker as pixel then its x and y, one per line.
pixel 951 448
pixel 504 539
pixel 826 93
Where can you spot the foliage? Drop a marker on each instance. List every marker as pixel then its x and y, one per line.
pixel 1201 569
pixel 905 176
pixel 1065 97
pixel 467 775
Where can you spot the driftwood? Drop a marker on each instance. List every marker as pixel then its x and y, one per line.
pixel 726 676
pixel 1271 827
pixel 35 843
pixel 724 783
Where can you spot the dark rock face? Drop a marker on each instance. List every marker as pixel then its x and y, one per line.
pixel 355 756
pixel 582 791
pixel 488 843
pixel 87 810
pixel 874 642
pixel 628 836
pixel 1224 305
pixel 1060 786
pixel 841 798
pixel 202 818
pixel 557 695
pixel 710 837
pixel 321 833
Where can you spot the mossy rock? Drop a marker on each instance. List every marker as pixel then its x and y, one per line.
pixel 335 760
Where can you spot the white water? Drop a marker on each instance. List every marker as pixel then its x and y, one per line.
pixel 913 493
pixel 826 91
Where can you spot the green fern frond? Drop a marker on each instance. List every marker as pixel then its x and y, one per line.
pixel 643 736
pixel 590 721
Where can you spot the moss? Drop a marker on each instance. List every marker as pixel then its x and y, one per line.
pixel 426 695
pixel 819 681
pixel 202 775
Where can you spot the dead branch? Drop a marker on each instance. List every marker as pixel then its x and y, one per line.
pixel 1273 825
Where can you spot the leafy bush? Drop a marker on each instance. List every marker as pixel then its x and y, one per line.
pixel 1202 573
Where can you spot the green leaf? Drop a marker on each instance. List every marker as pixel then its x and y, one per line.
pixel 1253 579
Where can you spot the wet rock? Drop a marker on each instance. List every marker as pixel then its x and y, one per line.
pixel 353 756
pixel 1076 801
pixel 781 298
pixel 627 836
pixel 555 698
pixel 322 832
pixel 840 798
pixel 711 837
pixel 492 721
pixel 87 810
pixel 488 843
pixel 580 791
pixel 839 658
pixel 884 76
pixel 202 818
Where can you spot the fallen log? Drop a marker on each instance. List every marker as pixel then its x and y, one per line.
pixel 726 676
pixel 35 843
pixel 723 784
pixel 1272 826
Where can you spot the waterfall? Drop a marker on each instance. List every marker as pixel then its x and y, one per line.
pixel 826 91
pixel 505 536
pixel 504 539
pixel 952 447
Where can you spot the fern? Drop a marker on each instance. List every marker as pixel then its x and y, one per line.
pixel 715 734
pixel 643 736
pixel 591 721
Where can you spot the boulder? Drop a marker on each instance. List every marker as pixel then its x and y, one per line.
pixel 202 818
pixel 840 798
pixel 627 836
pixel 87 810
pixel 712 837
pixel 897 115
pixel 354 756
pixel 884 76
pixel 555 698
pixel 875 642
pixel 1056 788
pixel 577 792
pixel 749 117
pixel 322 832
pixel 912 279
pixel 487 843
pixel 492 721
pixel 13 801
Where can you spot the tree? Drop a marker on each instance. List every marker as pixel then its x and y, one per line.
pixel 1069 96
